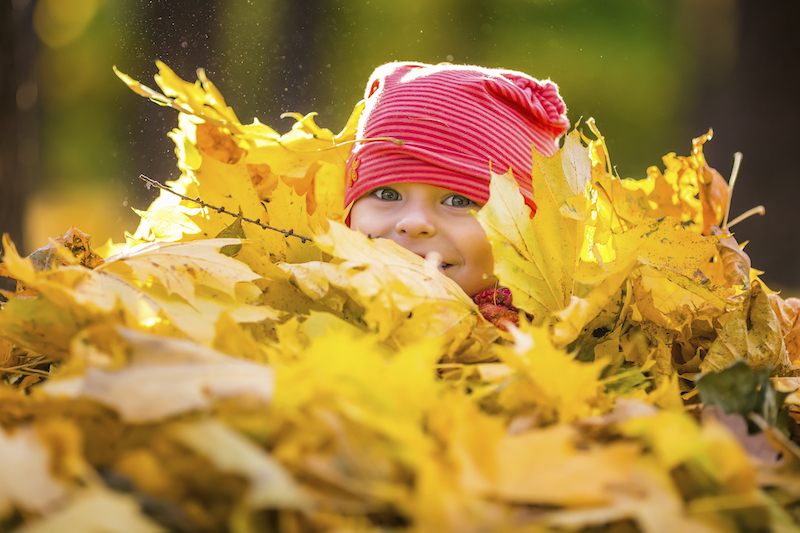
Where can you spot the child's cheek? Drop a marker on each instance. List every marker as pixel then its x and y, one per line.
pixel 362 217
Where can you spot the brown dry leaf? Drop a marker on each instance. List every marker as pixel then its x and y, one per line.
pixel 753 334
pixel 733 265
pixel 6 354
pixel 166 377
pixel 788 313
pixel 757 445
pixel 676 439
pixel 72 247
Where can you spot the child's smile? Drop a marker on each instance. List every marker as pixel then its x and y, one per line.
pixel 427 219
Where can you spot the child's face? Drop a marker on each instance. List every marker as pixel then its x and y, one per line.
pixel 424 219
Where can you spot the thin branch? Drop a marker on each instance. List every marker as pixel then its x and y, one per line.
pixel 198 201
pixel 776 436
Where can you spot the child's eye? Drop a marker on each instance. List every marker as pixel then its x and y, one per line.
pixel 456 200
pixel 387 194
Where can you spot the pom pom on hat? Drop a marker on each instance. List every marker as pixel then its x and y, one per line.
pixel 454 124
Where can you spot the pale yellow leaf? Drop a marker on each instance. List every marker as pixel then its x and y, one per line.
pixel 26 482
pixel 181 267
pixel 166 377
pixel 544 467
pixel 271 486
pixel 576 162
pixel 96 510
pixel 400 292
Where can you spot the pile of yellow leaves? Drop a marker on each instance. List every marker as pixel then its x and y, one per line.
pixel 211 374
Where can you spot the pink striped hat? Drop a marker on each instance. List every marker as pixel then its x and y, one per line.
pixel 456 122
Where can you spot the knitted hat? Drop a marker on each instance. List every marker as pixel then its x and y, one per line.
pixel 456 123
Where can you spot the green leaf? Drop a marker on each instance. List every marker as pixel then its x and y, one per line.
pixel 234 231
pixel 740 389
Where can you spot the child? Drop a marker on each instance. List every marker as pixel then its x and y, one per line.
pixel 456 124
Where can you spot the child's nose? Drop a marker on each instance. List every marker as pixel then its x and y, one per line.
pixel 415 222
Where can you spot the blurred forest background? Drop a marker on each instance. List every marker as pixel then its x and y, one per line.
pixel 653 73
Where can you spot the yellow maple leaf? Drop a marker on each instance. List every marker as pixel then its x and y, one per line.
pixel 306 144
pixel 259 155
pixel 563 388
pixel 200 98
pixel 534 258
pixel 538 258
pixel 74 296
pixel 665 244
pixel 669 299
pixel 689 190
pixel 287 209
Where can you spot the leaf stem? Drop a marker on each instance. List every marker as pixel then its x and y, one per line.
pixel 37 361
pixel 198 201
pixel 757 210
pixel 28 371
pixel 737 160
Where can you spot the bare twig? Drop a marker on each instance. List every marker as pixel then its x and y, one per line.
pixel 343 143
pixel 198 201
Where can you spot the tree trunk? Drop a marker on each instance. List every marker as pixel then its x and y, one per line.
pixel 18 96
